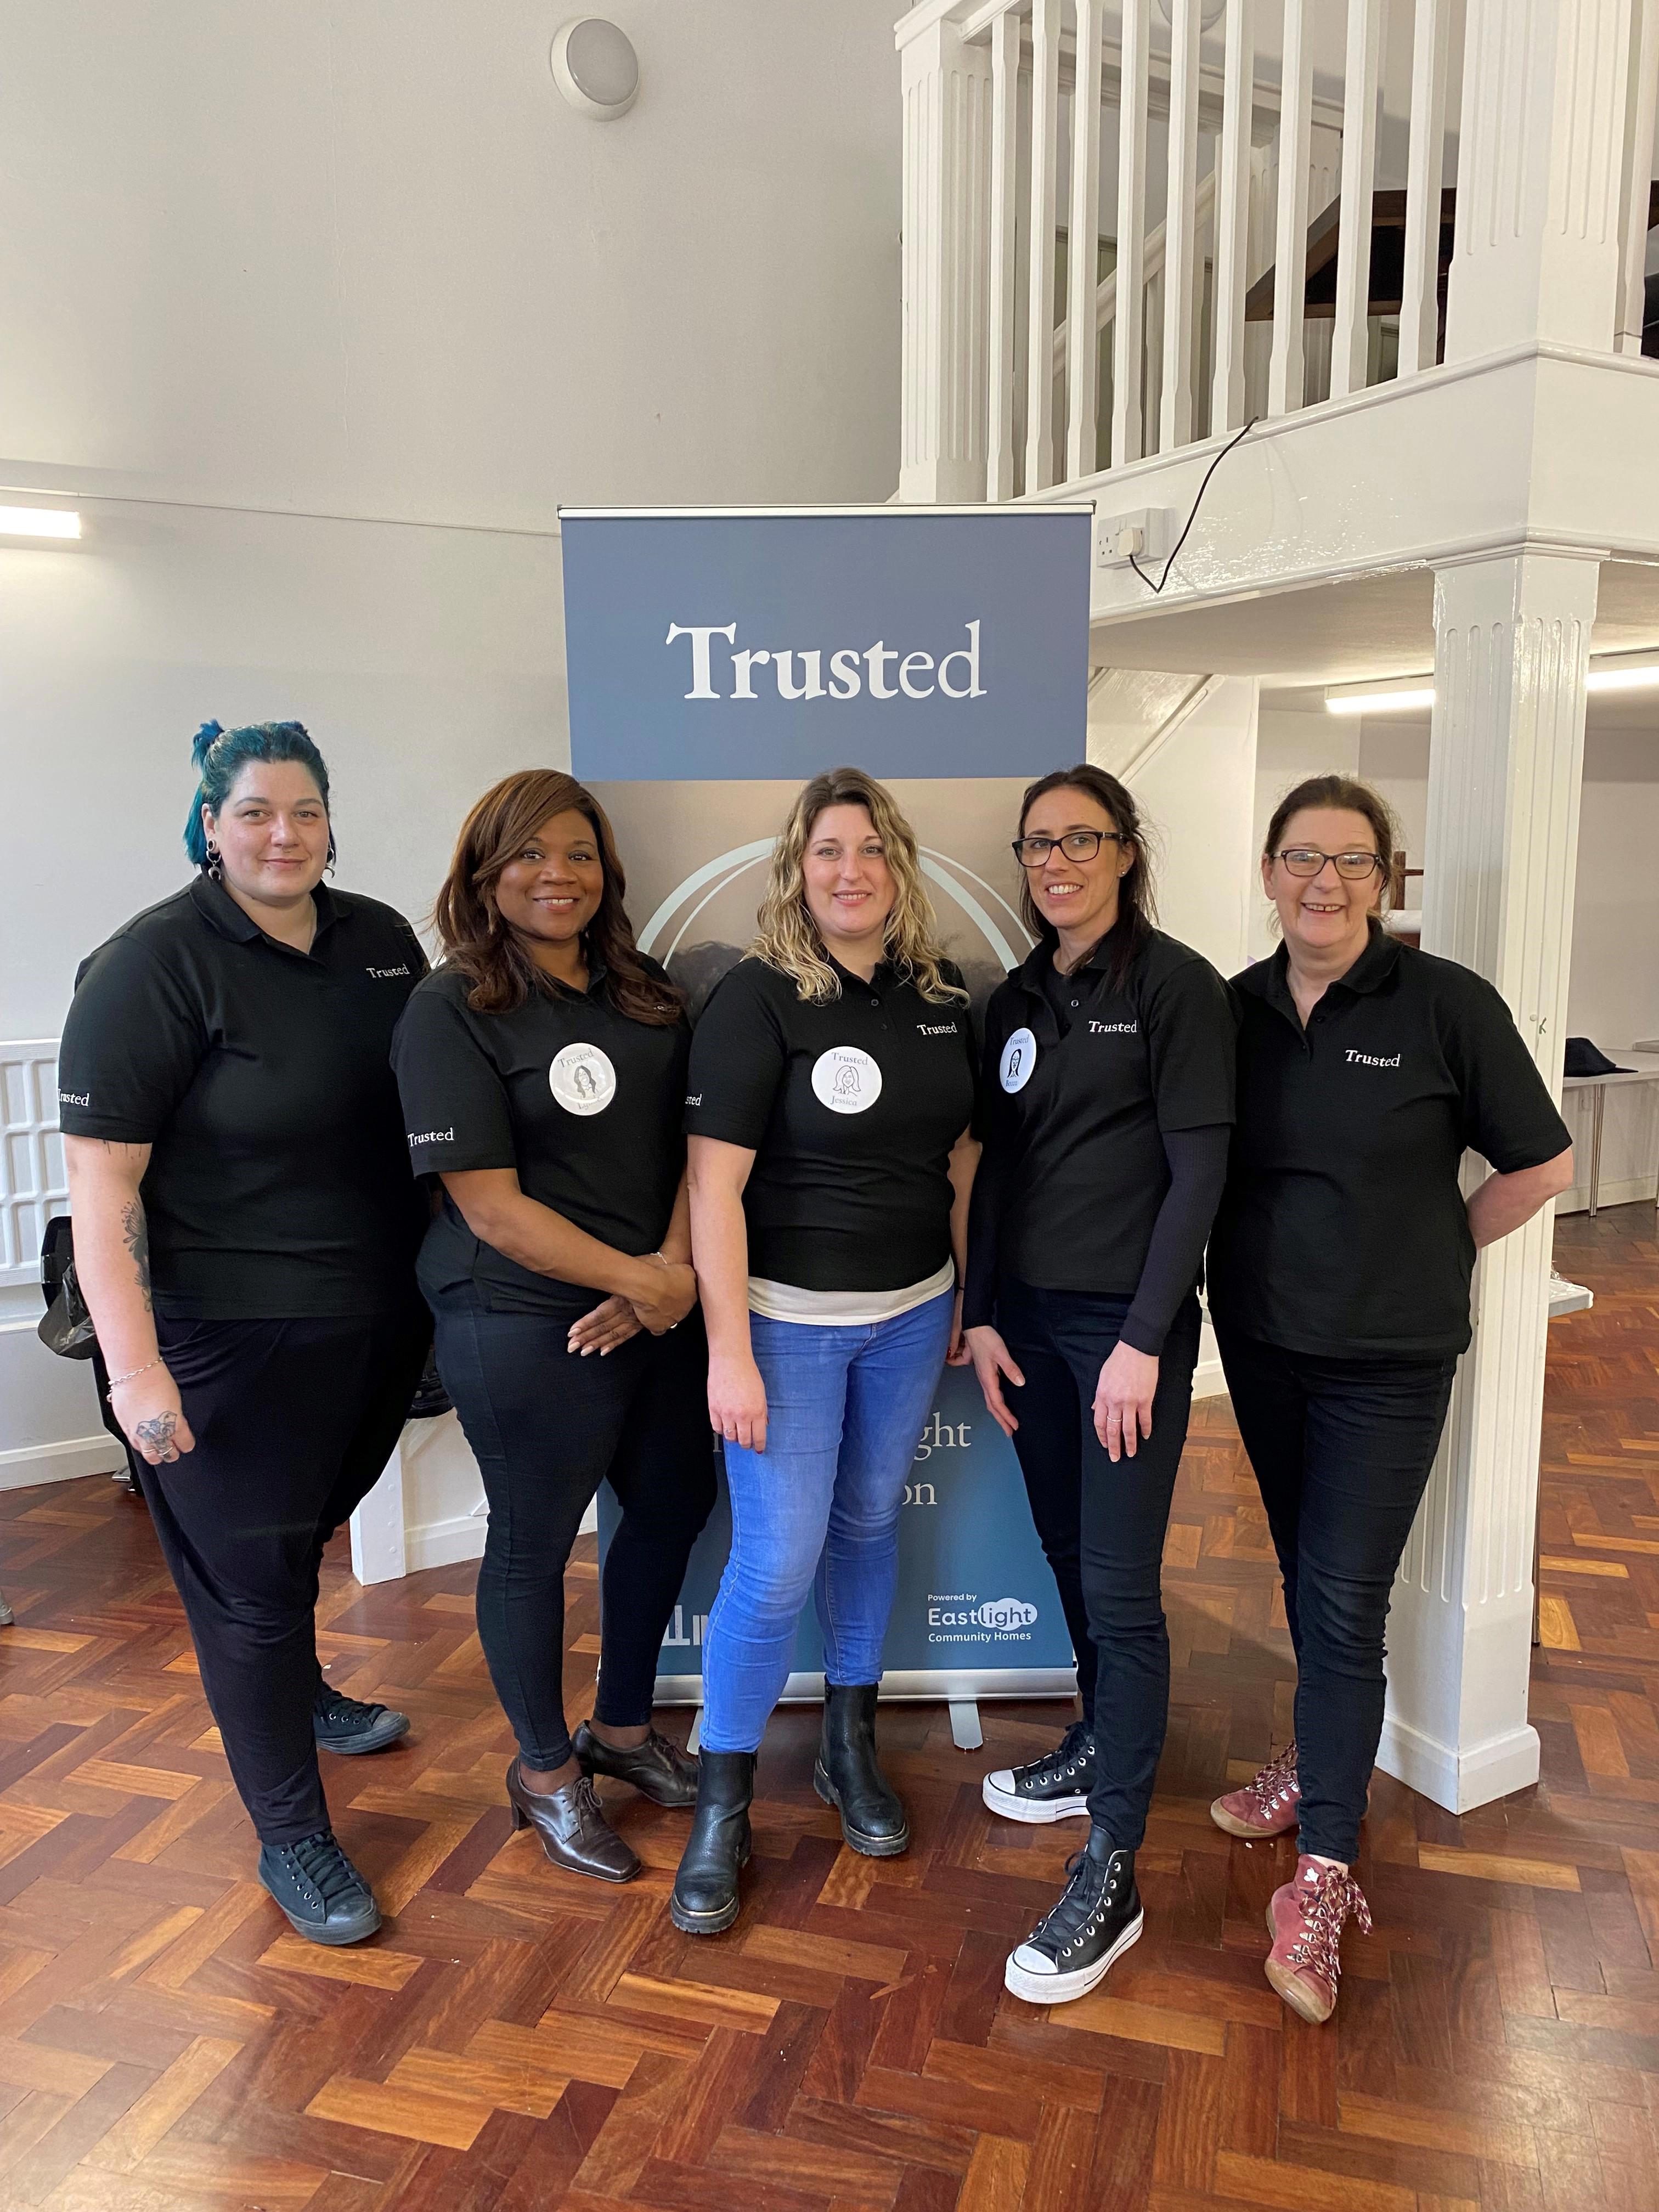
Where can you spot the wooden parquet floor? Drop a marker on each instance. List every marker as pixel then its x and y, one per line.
pixel 520 2038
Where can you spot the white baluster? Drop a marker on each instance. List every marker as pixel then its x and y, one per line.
pixel 1005 227
pixel 1638 169
pixel 1232 216
pixel 1180 230
pixel 1284 365
pixel 1129 305
pixel 1045 178
pixel 1083 252
pixel 1350 341
pixel 1419 304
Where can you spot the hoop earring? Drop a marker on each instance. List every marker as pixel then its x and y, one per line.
pixel 216 864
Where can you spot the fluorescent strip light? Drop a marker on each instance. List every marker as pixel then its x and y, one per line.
pixel 1378 698
pixel 1633 675
pixel 38 522
pixel 1639 672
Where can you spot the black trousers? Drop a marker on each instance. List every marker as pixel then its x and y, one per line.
pixel 1103 1525
pixel 547 1426
pixel 294 1421
pixel 1341 1449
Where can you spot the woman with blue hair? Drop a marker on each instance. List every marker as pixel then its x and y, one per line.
pixel 246 1228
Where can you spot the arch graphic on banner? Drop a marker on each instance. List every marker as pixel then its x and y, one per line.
pixel 717 873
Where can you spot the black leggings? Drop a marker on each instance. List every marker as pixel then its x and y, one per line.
pixel 1341 1449
pixel 1103 1524
pixel 547 1426
pixel 294 1421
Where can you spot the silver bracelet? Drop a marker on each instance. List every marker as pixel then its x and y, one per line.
pixel 133 1373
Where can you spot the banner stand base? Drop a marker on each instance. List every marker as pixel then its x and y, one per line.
pixel 905 1686
pixel 965 1731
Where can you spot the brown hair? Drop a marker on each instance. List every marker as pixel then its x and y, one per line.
pixel 1348 795
pixel 1137 900
pixel 478 942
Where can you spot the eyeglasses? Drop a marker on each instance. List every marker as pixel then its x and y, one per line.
pixel 1076 844
pixel 1304 861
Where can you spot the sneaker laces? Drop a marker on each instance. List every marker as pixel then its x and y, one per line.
pixel 1326 1903
pixel 1072 1755
pixel 1090 1888
pixel 331 1705
pixel 325 1865
pixel 1270 1784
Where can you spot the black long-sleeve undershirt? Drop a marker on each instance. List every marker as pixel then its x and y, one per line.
pixel 1197 1168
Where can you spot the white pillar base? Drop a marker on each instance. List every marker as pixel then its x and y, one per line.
pixel 1459 1776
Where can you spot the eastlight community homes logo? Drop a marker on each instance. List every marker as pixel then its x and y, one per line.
pixel 963 1617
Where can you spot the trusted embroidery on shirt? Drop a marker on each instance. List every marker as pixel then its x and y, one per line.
pixel 1114 1028
pixel 1357 1059
pixel 845 1080
pixel 582 1078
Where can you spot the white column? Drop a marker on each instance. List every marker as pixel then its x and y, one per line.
pixel 1512 636
pixel 378 1551
pixel 945 262
pixel 1539 175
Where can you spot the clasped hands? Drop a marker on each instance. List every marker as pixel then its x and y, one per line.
pixel 662 1294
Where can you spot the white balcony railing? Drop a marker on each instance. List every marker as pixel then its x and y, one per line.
pixel 1098 208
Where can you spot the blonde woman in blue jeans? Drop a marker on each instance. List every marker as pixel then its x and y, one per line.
pixel 831 1164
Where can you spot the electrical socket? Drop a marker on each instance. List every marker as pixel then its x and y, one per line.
pixel 1144 533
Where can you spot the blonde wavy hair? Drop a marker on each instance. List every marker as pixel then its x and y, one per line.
pixel 786 937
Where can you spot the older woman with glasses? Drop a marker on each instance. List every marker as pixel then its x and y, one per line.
pixel 1339 1273
pixel 1107 1097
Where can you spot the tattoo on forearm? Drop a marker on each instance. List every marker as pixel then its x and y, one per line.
pixel 136 1229
pixel 156 1434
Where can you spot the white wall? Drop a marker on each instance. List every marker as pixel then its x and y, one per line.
pixel 320 311
pixel 362 257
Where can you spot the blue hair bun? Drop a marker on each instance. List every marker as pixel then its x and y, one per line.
pixel 218 766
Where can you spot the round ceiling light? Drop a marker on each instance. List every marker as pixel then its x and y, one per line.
pixel 1209 14
pixel 595 67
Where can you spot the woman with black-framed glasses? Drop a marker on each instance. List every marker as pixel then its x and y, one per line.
pixel 1107 1102
pixel 1339 1271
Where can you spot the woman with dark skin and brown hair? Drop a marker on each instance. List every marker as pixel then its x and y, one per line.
pixel 543 1069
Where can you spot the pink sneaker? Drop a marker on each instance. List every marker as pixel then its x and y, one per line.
pixel 1265 1805
pixel 1305 1919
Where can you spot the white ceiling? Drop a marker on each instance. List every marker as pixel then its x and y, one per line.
pixel 1351 632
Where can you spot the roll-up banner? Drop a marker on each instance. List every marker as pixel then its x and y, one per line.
pixel 717 659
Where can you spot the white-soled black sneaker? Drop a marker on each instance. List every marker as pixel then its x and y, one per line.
pixel 1052 1788
pixel 1071 1950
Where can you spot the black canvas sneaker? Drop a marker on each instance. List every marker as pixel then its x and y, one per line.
pixel 1052 1788
pixel 1067 1953
pixel 325 1896
pixel 347 1724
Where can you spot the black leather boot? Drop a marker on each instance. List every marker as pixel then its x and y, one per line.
pixel 705 1897
pixel 846 1775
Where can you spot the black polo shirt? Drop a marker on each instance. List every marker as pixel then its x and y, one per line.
pixel 277 1187
pixel 851 1110
pixel 1082 1078
pixel 1342 1229
pixel 583 1101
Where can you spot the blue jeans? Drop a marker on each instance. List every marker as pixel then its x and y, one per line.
pixel 819 1508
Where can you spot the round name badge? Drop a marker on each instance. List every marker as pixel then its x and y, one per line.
pixel 1018 1059
pixel 582 1078
pixel 845 1080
